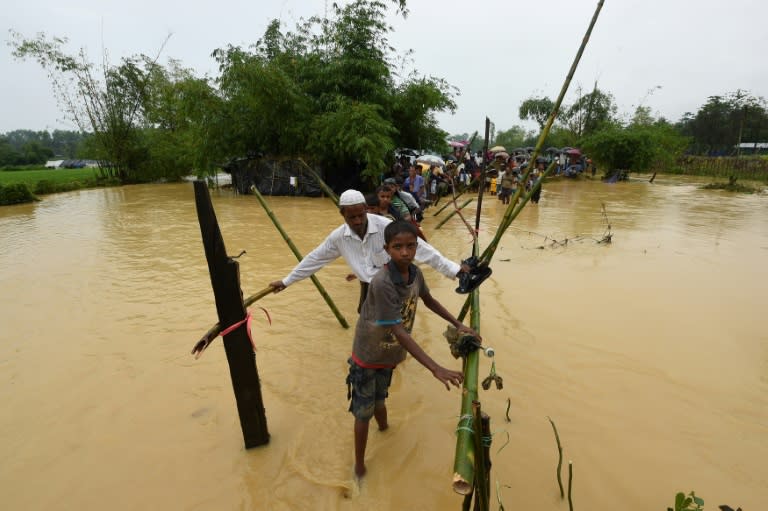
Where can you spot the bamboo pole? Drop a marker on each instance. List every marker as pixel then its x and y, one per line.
pixel 323 184
pixel 440 224
pixel 447 204
pixel 465 456
pixel 545 132
pixel 216 329
pixel 518 201
pixel 506 221
pixel 298 255
pixel 510 214
pixel 464 459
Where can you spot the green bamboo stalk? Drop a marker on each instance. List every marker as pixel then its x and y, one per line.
pixel 506 221
pixel 327 189
pixel 465 455
pixel 559 458
pixel 298 255
pixel 511 213
pixel 440 224
pixel 447 204
pixel 545 132
pixel 464 459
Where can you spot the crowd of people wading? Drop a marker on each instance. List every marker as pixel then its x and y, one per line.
pixel 427 178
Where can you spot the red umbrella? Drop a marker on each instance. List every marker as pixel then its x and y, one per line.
pixel 457 143
pixel 575 152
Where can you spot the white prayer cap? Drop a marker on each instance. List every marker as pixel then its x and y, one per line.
pixel 350 198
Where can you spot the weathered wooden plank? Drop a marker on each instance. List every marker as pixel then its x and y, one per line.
pixel 225 280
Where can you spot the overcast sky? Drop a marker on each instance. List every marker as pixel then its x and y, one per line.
pixel 669 55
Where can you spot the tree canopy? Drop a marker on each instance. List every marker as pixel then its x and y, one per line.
pixel 27 147
pixel 327 89
pixel 324 90
pixel 726 120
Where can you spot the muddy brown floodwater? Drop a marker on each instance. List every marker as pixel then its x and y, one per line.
pixel 650 354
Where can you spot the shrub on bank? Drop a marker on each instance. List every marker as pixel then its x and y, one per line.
pixel 46 186
pixel 15 194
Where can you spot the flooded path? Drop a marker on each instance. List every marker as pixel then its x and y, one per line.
pixel 650 354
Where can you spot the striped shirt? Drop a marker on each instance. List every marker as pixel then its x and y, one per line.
pixel 365 257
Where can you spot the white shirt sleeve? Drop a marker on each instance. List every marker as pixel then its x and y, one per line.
pixel 326 252
pixel 426 253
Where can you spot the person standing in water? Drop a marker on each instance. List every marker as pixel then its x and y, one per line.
pixel 360 241
pixel 383 335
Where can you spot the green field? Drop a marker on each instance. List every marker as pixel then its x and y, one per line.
pixel 55 176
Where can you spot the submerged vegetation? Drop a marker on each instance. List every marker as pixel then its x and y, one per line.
pixel 19 186
pixel 732 186
pixel 17 193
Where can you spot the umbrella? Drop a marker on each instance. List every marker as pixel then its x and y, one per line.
pixel 457 143
pixel 451 158
pixel 431 159
pixel 498 148
pixel 552 150
pixel 573 151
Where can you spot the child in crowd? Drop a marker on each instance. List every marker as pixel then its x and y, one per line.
pixel 541 166
pixel 372 204
pixel 383 335
pixel 509 185
pixel 384 196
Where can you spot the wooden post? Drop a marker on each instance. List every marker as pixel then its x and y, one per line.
pixel 482 484
pixel 482 174
pixel 225 279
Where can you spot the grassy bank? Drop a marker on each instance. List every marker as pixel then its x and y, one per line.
pixel 18 186
pixel 56 177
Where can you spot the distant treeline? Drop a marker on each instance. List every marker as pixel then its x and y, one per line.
pixel 27 147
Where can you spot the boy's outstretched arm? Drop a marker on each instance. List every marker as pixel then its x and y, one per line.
pixel 443 374
pixel 437 308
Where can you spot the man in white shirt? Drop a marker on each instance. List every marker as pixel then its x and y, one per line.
pixel 360 241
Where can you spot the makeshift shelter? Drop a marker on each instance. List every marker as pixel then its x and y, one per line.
pixel 273 176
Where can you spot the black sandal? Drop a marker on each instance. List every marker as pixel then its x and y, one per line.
pixel 469 281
